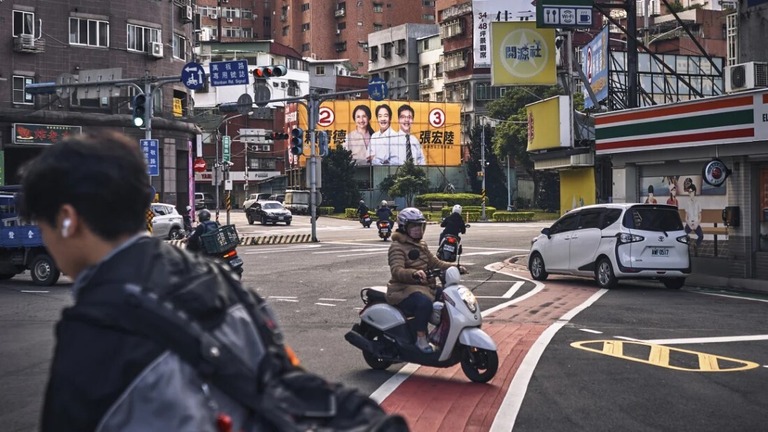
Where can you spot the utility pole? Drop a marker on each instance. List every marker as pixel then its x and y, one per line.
pixel 482 170
pixel 313 105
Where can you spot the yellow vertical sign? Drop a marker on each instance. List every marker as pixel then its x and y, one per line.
pixel 177 109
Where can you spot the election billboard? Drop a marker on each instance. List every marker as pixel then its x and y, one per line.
pixel 595 66
pixel 389 132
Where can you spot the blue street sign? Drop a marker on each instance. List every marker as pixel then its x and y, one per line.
pixel 193 76
pixel 377 89
pixel 227 73
pixel 150 147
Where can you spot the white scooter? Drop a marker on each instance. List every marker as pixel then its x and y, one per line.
pixel 385 336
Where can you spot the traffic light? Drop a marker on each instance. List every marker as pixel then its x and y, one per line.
pixel 322 143
pixel 139 107
pixel 279 136
pixel 272 71
pixel 297 141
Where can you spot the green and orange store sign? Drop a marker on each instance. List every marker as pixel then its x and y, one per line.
pixel 721 120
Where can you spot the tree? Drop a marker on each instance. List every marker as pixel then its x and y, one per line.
pixel 511 136
pixel 408 181
pixel 495 178
pixel 338 179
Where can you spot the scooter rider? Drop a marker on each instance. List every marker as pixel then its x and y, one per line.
pixel 362 209
pixel 384 212
pixel 409 257
pixel 193 242
pixel 453 224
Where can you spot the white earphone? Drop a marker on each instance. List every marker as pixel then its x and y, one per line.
pixel 65 227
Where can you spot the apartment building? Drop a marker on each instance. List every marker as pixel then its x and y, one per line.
pixel 90 42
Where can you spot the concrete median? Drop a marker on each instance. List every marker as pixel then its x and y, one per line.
pixel 262 240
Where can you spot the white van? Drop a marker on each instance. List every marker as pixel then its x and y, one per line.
pixel 297 201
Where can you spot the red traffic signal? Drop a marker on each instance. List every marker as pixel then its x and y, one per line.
pixel 272 71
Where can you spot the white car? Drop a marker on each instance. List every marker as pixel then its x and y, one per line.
pixel 167 223
pixel 614 241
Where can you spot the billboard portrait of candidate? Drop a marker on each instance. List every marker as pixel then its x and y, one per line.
pixel 389 132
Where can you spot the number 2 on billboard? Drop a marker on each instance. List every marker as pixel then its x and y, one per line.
pixel 325 117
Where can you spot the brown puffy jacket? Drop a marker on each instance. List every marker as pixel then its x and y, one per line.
pixel 406 256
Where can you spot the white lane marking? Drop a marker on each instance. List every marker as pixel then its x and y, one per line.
pixel 325 304
pixel 510 292
pixel 281 297
pixel 733 296
pixel 513 400
pixel 703 340
pixel 332 299
pixel 393 382
pixel 362 254
pixel 378 249
pixel 495 252
pixel 285 300
pixel 591 331
pixel 269 250
pixel 34 292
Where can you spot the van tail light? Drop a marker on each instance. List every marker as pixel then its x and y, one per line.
pixel 629 238
pixel 683 239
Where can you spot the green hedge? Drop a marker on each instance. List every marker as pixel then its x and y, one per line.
pixel 489 211
pixel 325 210
pixel 464 199
pixel 505 216
pixel 351 213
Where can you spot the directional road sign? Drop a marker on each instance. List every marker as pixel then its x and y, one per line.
pixel 377 89
pixel 150 147
pixel 226 143
pixel 234 72
pixel 193 76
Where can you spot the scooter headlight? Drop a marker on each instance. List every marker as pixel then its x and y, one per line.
pixel 469 299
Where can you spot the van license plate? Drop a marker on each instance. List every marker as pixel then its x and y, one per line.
pixel 662 252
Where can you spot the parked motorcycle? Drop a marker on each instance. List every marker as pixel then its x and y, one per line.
pixel 385 337
pixel 385 229
pixel 365 220
pixel 450 248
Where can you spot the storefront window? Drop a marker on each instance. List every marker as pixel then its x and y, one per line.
pixel 763 208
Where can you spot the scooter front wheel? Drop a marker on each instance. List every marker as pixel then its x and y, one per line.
pixel 479 365
pixel 374 362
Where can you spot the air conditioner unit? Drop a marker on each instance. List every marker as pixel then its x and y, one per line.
pixel 27 40
pixel 229 20
pixel 188 13
pixel 746 76
pixel 213 16
pixel 338 31
pixel 156 49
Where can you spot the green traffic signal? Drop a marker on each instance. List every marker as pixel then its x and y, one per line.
pixel 139 110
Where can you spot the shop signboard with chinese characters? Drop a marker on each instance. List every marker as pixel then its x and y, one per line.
pixel 485 12
pixel 522 54
pixel 41 134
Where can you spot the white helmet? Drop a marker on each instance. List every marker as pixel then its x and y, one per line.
pixel 384 203
pixel 457 209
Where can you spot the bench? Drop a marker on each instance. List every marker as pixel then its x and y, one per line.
pixel 711 223
pixel 436 205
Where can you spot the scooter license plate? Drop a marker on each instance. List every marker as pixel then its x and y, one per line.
pixel 236 261
pixel 449 248
pixel 383 230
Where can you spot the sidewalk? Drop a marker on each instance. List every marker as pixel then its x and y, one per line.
pixel 695 280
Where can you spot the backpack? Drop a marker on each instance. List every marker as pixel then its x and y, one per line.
pixel 281 397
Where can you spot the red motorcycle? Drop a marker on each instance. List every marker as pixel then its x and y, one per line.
pixel 385 229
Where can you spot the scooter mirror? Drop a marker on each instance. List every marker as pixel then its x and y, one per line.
pixel 452 276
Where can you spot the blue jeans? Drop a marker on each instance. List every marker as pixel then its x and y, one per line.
pixel 420 307
pixel 699 234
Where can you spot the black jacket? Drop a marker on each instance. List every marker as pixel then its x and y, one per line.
pixel 454 224
pixel 194 243
pixel 96 363
pixel 362 209
pixel 384 213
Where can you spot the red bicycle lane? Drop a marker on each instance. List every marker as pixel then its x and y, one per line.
pixel 433 399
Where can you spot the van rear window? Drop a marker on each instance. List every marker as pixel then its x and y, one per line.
pixel 653 219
